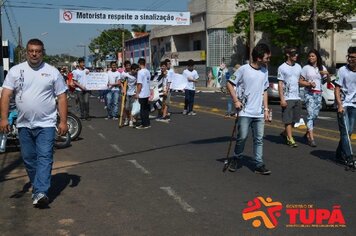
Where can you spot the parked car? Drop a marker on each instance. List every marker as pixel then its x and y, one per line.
pixel 272 90
pixel 328 97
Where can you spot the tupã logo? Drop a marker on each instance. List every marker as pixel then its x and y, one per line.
pixel 254 211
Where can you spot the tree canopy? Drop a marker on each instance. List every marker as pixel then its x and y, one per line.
pixel 139 28
pixel 289 22
pixel 109 41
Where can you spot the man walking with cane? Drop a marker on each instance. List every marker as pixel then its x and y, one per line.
pixel 345 95
pixel 250 99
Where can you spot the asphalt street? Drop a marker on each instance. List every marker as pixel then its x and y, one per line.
pixel 168 180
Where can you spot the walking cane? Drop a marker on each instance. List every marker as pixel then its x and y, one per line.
pixel 122 104
pixel 349 143
pixel 227 162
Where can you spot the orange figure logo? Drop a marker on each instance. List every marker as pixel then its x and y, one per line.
pixel 254 211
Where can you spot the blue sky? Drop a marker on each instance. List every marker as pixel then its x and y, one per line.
pixel 40 19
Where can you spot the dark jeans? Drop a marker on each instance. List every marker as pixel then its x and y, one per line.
pixel 83 99
pixel 189 100
pixel 346 122
pixel 144 111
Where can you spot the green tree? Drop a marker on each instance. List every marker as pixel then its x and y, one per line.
pixel 139 28
pixel 289 22
pixel 109 41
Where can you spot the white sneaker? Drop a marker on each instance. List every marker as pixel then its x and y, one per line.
pixel 192 113
pixel 126 122
pixel 131 123
pixel 40 200
pixel 185 112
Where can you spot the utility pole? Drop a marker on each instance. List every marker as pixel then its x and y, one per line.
pixel 1 49
pixel 315 25
pixel 123 44
pixel 252 28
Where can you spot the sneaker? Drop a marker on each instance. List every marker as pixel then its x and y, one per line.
pixel 115 118
pixel 131 124
pixel 185 112
pixel 105 107
pixel 291 142
pixel 234 165
pixel 108 118
pixel 262 170
pixel 126 122
pixel 142 127
pixel 163 119
pixel 312 143
pixel 192 113
pixel 40 200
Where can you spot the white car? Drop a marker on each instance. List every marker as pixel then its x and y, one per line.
pixel 328 96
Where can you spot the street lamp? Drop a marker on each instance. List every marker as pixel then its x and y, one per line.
pixel 85 50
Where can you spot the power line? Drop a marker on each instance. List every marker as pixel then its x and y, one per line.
pixel 10 24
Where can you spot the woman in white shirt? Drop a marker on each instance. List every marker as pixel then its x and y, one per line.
pixel 311 78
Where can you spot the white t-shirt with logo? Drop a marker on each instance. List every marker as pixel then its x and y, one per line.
pixel 80 76
pixel 131 83
pixel 170 75
pixel 346 79
pixel 192 75
pixel 312 74
pixel 143 77
pixel 250 85
pixel 35 92
pixel 113 78
pixel 290 75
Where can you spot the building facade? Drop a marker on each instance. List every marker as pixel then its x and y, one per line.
pixel 138 47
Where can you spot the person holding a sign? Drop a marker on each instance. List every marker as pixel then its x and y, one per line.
pixel 79 80
pixel 112 97
pixel 143 93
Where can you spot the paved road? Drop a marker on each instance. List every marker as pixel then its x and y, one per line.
pixel 167 180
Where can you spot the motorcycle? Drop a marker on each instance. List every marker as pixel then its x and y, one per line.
pixel 74 130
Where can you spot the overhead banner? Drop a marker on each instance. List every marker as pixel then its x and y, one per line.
pixel 123 17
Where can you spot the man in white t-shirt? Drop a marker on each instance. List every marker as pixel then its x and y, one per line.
pixel 143 93
pixel 345 95
pixel 288 87
pixel 251 100
pixel 80 80
pixel 192 77
pixel 112 96
pixel 36 84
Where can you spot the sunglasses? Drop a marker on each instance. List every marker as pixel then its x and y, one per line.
pixel 351 57
pixel 293 53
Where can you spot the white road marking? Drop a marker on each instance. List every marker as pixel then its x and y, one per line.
pixel 138 166
pixel 101 135
pixel 178 199
pixel 326 118
pixel 117 148
pixel 91 127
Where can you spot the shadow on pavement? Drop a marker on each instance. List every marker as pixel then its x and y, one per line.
pixel 8 164
pixel 278 139
pixel 22 192
pixel 245 161
pixel 59 182
pixel 213 140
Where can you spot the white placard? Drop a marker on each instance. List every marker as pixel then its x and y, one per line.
pixel 97 81
pixel 178 82
pixel 123 17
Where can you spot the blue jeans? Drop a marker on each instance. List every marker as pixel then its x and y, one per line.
pixel 257 127
pixel 37 154
pixel 189 100
pixel 313 105
pixel 344 149
pixel 112 98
